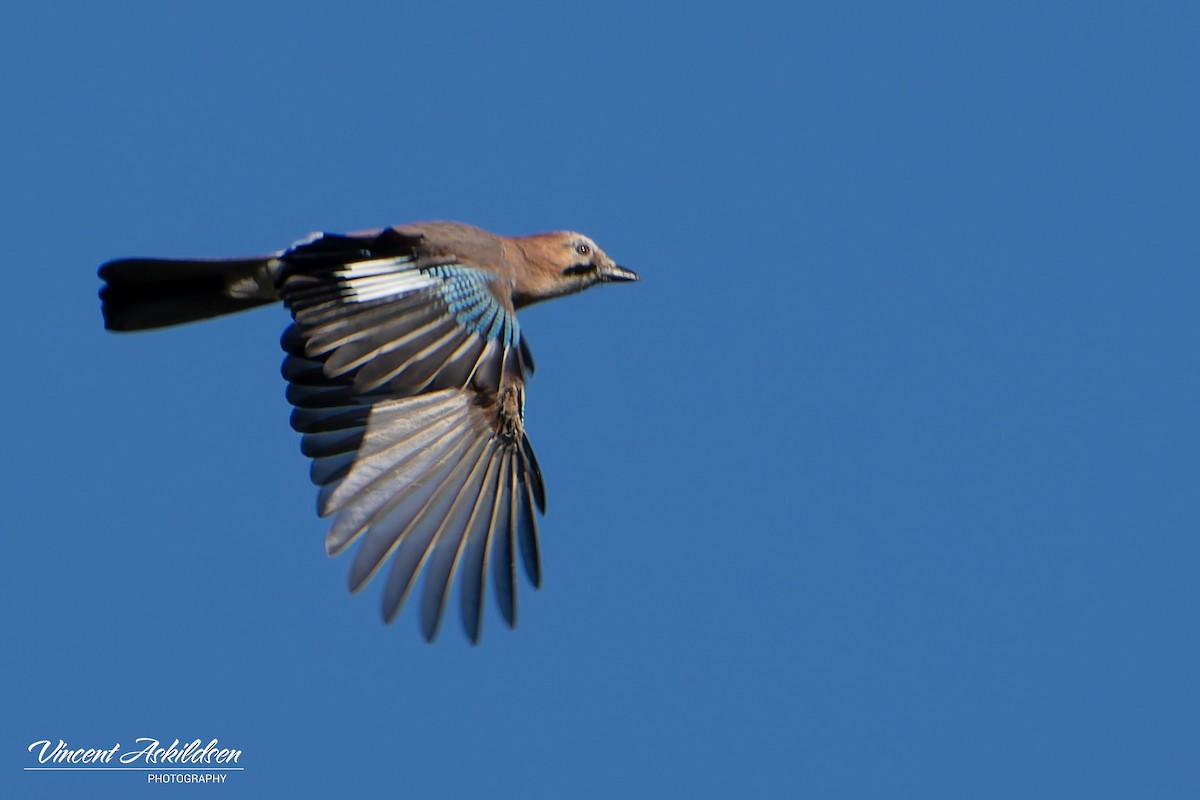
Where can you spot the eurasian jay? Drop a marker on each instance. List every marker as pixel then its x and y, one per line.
pixel 407 368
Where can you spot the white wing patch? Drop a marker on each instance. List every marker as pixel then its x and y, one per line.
pixel 382 277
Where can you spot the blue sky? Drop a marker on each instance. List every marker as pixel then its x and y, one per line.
pixel 882 483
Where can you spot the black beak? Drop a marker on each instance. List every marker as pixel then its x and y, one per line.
pixel 619 274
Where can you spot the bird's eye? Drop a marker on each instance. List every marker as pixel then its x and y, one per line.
pixel 583 249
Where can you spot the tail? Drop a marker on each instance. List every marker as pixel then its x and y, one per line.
pixel 142 293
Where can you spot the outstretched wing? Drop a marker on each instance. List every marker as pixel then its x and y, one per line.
pixel 407 374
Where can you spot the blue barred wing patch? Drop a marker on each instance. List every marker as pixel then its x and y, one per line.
pixel 468 295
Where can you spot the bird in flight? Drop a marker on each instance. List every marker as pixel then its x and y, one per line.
pixel 406 367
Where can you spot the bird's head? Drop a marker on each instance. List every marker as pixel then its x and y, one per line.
pixel 565 262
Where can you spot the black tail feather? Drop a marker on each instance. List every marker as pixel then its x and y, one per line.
pixel 143 293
